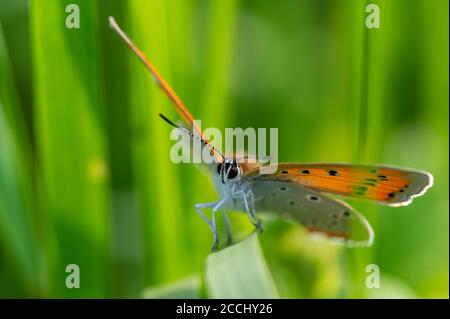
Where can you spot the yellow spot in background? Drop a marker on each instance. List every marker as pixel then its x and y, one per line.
pixel 97 170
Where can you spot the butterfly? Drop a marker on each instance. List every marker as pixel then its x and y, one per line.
pixel 299 191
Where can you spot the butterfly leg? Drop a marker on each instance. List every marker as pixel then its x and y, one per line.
pixel 198 209
pixel 259 226
pixel 212 223
pixel 251 212
pixel 226 221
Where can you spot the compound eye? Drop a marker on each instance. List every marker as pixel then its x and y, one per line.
pixel 233 172
pixel 219 166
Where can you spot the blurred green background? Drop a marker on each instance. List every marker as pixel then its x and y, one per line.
pixel 85 173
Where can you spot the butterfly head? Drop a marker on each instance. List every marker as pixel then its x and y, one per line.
pixel 229 170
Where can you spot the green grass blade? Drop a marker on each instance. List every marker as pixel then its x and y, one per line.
pixel 155 177
pixel 71 143
pixel 239 271
pixel 18 242
pixel 220 37
pixel 183 289
pixel 126 237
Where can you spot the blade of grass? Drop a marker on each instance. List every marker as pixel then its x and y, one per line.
pixel 372 130
pixel 188 288
pixel 18 237
pixel 435 110
pixel 417 121
pixel 220 39
pixel 126 237
pixel 71 143
pixel 239 271
pixel 185 54
pixel 158 192
pixel 357 258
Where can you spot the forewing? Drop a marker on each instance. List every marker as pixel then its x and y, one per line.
pixel 384 184
pixel 316 211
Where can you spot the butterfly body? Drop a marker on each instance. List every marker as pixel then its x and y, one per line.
pixel 302 192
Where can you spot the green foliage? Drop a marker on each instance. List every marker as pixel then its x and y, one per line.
pixel 186 288
pixel 240 271
pixel 16 199
pixel 70 141
pixel 85 175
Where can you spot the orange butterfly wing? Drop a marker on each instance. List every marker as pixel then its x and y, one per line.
pixel 388 185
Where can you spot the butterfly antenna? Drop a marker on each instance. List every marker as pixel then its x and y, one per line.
pixel 179 105
pixel 163 85
pixel 213 149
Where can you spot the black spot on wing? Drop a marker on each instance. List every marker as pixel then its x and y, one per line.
pixel 333 172
pixel 313 198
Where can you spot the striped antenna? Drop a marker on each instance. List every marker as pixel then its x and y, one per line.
pixel 213 149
